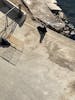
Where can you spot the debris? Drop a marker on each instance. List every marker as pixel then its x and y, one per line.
pixel 43 15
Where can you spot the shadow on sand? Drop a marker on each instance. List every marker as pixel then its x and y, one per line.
pixel 4 43
pixel 42 31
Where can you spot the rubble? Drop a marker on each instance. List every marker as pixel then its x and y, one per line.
pixel 49 15
pixel 43 14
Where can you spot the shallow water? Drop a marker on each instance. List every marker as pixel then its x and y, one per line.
pixel 68 6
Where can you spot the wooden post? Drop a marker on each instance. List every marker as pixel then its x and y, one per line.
pixel 19 14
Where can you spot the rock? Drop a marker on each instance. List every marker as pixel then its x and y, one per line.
pixel 72 33
pixel 61 14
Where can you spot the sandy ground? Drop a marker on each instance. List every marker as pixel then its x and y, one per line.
pixel 43 71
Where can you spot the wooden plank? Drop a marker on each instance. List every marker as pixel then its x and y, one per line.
pixel 11 55
pixel 18 44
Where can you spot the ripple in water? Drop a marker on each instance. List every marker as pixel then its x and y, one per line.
pixel 68 6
